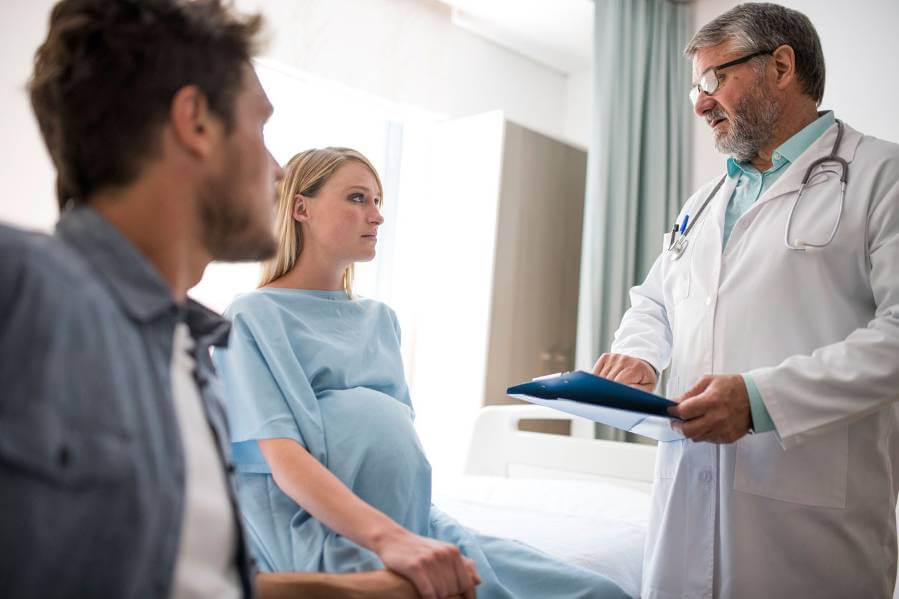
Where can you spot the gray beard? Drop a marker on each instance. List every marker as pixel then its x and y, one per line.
pixel 750 127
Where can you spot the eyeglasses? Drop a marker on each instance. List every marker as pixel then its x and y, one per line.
pixel 709 82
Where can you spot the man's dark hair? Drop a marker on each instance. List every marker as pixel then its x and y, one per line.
pixel 105 77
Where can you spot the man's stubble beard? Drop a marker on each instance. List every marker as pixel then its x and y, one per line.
pixel 230 231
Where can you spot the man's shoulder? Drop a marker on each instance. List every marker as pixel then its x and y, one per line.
pixel 871 147
pixel 38 271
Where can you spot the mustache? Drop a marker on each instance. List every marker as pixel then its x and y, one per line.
pixel 715 114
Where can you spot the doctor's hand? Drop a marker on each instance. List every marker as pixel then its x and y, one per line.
pixel 716 409
pixel 627 371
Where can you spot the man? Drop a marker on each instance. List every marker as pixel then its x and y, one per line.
pixel 777 315
pixel 115 479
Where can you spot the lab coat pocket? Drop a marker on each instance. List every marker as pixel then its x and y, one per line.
pixel 680 289
pixel 813 473
pixel 677 278
pixel 668 457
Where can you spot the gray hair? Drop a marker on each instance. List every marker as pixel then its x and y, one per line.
pixel 758 26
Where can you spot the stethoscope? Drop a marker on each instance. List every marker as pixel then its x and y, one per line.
pixel 677 247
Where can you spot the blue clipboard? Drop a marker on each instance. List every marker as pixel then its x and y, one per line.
pixel 601 400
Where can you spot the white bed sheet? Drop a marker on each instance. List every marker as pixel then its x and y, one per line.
pixel 596 525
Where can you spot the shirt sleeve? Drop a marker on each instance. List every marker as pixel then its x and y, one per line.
pixel 761 419
pixel 266 398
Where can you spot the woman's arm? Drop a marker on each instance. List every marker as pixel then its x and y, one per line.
pixel 436 569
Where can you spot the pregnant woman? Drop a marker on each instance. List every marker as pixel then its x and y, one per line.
pixel 332 476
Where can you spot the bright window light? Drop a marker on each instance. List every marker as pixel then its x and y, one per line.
pixel 311 112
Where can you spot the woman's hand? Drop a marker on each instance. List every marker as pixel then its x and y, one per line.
pixel 436 569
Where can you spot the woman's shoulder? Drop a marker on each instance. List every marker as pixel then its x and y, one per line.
pixel 375 307
pixel 257 311
pixel 250 303
pixel 379 311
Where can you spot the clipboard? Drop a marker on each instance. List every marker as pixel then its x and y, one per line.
pixel 601 400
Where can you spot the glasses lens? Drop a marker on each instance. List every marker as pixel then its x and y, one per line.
pixel 709 82
pixel 694 95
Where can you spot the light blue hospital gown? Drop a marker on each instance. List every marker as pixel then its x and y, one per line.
pixel 326 371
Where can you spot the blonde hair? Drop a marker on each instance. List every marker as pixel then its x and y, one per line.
pixel 305 174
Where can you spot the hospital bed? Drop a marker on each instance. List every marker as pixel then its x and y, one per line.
pixel 582 500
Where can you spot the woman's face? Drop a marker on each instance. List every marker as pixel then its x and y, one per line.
pixel 341 222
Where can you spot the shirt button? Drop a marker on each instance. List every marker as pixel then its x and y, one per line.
pixel 776 156
pixel 708 301
pixel 705 476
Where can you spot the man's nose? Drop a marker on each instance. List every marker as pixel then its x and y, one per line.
pixel 704 103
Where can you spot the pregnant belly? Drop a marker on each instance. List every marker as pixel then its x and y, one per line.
pixel 373 448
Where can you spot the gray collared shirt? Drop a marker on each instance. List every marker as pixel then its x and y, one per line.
pixel 91 462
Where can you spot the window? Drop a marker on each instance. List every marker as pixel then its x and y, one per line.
pixel 313 112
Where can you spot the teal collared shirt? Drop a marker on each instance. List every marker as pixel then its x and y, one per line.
pixel 751 184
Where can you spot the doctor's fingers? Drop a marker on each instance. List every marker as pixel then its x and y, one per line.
pixel 610 364
pixel 629 371
pixel 698 388
pixel 692 408
pixel 604 364
pixel 699 429
pixel 636 375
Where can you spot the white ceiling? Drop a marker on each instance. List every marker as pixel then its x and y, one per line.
pixel 557 33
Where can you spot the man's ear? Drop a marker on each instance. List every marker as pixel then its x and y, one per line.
pixel 194 126
pixel 784 65
pixel 300 212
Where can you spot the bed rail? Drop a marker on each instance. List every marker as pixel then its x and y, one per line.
pixel 498 448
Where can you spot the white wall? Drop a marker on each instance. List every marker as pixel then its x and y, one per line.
pixel 861 49
pixel 26 174
pixel 578 112
pixel 409 51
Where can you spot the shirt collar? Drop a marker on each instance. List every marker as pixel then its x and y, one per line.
pixel 792 148
pixel 135 284
pixel 800 142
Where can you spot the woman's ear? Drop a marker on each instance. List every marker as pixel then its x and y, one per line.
pixel 299 208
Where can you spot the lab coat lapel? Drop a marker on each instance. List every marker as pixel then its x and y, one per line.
pixel 708 245
pixel 789 182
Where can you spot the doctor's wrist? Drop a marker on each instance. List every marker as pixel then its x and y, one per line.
pixel 760 419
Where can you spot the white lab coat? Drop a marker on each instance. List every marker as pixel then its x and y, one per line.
pixel 808 511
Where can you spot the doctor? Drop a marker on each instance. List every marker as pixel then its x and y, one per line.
pixel 779 316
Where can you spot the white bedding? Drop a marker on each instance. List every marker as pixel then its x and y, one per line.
pixel 597 525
